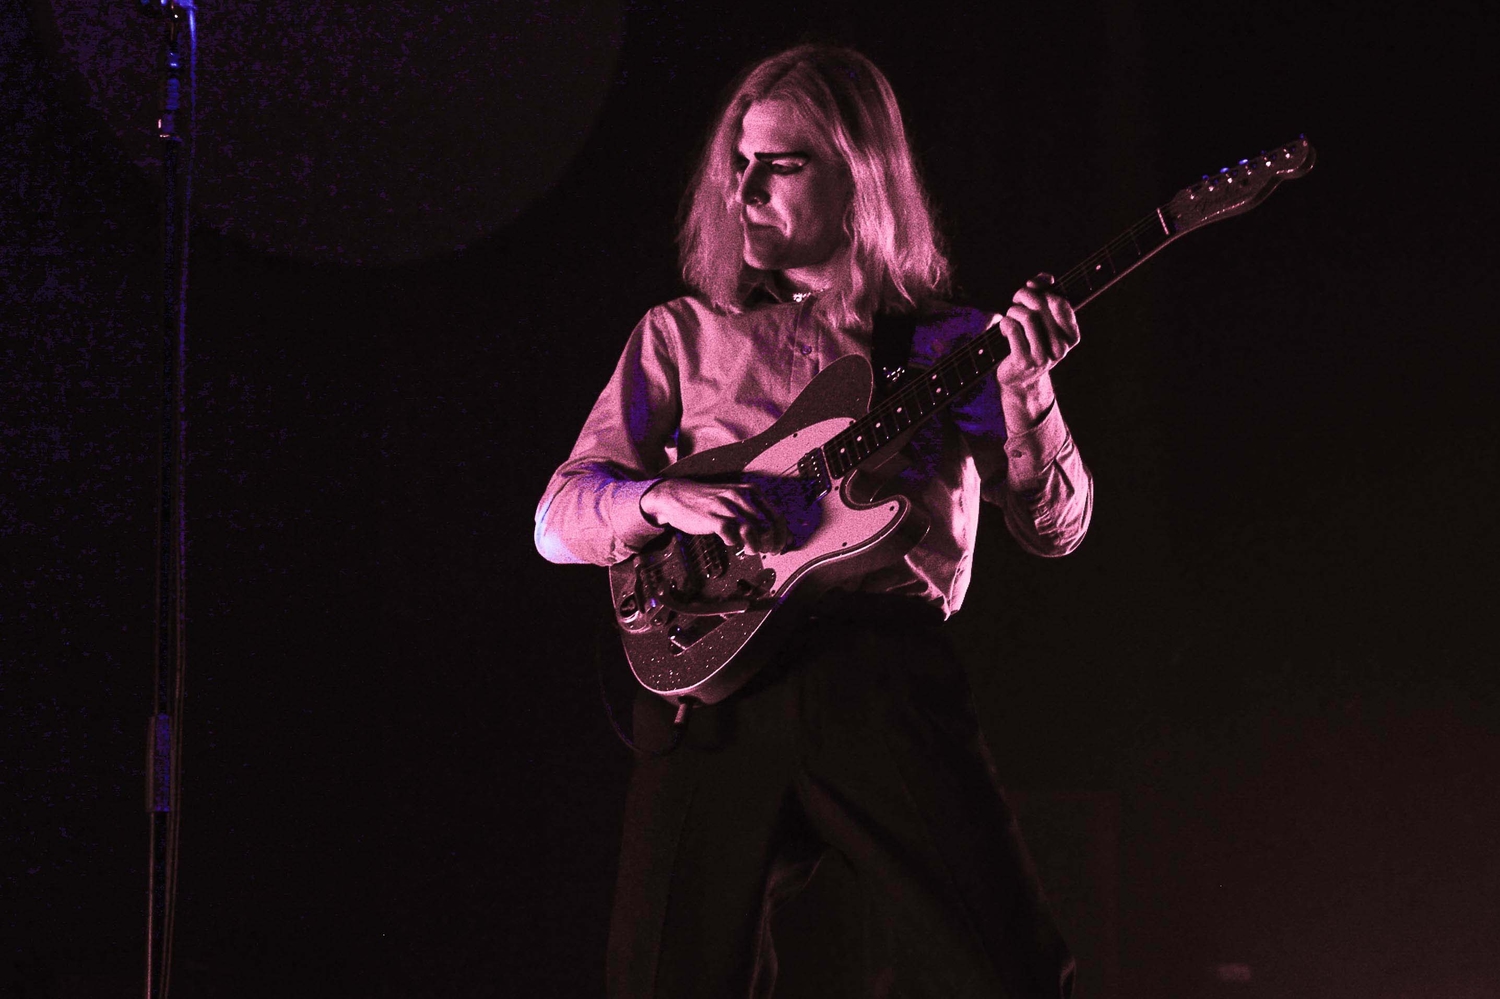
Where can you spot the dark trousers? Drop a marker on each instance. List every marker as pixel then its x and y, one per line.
pixel 862 739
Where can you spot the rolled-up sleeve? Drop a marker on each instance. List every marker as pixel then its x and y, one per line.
pixel 1036 476
pixel 591 510
pixel 1047 492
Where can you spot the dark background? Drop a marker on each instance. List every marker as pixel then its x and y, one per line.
pixel 1250 725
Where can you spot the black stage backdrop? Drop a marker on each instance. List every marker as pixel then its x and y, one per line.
pixel 1250 726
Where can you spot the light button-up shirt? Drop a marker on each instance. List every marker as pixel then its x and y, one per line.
pixel 692 378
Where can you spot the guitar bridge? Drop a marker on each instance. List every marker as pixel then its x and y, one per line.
pixel 705 555
pixel 683 639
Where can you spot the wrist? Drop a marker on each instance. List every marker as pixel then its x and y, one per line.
pixel 647 504
pixel 1024 403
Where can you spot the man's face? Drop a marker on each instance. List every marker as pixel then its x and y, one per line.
pixel 792 194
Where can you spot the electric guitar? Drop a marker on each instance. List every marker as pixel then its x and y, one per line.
pixel 698 620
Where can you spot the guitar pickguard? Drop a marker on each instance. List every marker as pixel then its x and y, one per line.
pixel 828 530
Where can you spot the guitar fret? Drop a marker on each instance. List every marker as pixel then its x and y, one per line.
pixel 1116 258
pixel 934 387
pixel 954 374
pixel 963 367
pixel 835 456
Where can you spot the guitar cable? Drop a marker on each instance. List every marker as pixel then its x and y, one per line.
pixel 679 723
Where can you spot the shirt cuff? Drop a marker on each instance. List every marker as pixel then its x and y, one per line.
pixel 626 522
pixel 1030 453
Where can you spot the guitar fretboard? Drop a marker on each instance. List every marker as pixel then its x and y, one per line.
pixel 963 367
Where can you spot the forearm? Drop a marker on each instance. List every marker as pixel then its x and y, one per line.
pixel 590 510
pixel 1048 514
pixel 1025 403
pixel 1046 490
pixel 592 514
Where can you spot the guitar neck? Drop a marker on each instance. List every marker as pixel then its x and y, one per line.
pixel 1232 191
pixel 924 397
pixel 1121 255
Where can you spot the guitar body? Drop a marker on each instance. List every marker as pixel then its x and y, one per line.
pixel 698 620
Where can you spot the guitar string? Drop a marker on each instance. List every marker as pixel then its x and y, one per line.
pixel 968 354
pixel 1108 252
pixel 967 357
pixel 938 372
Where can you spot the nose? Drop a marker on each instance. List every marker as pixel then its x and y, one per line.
pixel 752 189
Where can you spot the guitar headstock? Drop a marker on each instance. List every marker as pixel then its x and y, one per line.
pixel 1237 189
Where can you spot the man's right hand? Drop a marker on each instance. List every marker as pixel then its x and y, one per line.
pixel 735 511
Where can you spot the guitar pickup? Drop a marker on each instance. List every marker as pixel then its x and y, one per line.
pixel 683 639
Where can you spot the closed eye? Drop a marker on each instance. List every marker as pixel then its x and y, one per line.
pixel 780 163
pixel 788 162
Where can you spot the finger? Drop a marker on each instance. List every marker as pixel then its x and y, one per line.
pixel 725 501
pixel 743 506
pixel 766 512
pixel 1052 327
pixel 1029 341
pixel 781 533
pixel 1016 334
pixel 767 538
pixel 754 518
pixel 731 533
pixel 773 535
pixel 759 542
pixel 1063 315
pixel 1030 296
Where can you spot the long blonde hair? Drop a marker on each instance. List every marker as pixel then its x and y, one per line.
pixel 896 260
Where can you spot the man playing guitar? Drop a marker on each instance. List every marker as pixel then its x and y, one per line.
pixel 805 220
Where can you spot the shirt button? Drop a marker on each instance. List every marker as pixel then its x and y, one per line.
pixel 806 349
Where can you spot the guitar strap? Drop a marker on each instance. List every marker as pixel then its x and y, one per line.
pixel 890 349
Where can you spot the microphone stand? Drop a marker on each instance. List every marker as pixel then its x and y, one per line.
pixel 163 730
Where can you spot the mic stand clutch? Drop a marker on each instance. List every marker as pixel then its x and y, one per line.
pixel 163 730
